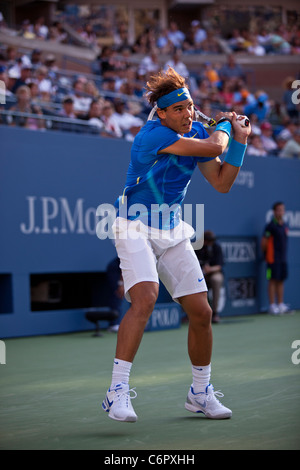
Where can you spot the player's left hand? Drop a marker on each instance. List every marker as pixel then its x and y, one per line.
pixel 227 115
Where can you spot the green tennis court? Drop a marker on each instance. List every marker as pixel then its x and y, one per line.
pixel 52 388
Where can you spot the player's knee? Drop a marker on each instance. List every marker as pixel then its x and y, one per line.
pixel 149 300
pixel 145 304
pixel 202 317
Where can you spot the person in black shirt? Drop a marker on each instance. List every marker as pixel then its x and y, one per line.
pixel 211 260
pixel 274 246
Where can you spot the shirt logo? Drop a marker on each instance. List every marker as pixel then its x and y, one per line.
pixel 199 280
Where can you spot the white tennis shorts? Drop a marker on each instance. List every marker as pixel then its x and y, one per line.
pixel 148 254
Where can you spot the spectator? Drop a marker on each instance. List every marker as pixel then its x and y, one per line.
pixel 25 106
pixel 200 34
pixel 40 29
pixel 5 79
pixel 288 131
pixel 279 44
pixel 255 48
pixel 267 140
pixel 149 63
pixel 211 261
pixel 43 82
pixel 281 142
pixel 274 246
pixel 50 63
pixel 94 114
pixel 67 110
pixel 81 101
pixel 292 147
pixel 124 119
pixel 13 75
pixel 264 39
pixel 255 126
pixel 231 70
pixel 88 34
pixel 27 31
pixel 25 75
pixel 57 32
pixel 163 42
pixel 236 41
pixel 11 56
pixel 227 93
pixel 260 107
pixel 111 125
pixel 176 63
pixel 255 147
pixel 175 35
pixel 35 58
pixel 211 73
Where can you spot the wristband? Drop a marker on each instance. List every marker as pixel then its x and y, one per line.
pixel 235 154
pixel 224 126
pixel 222 119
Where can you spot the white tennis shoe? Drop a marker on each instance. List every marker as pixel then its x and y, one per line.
pixel 117 403
pixel 207 403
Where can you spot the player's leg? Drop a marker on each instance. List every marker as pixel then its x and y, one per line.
pixel 143 297
pixel 200 331
pixel 201 397
pixel 272 288
pixel 180 271
pixel 138 264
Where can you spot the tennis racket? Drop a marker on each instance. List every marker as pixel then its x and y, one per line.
pixel 209 121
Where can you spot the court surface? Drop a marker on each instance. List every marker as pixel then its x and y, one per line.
pixel 52 388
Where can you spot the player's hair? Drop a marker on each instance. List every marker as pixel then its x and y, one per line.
pixel 276 204
pixel 162 83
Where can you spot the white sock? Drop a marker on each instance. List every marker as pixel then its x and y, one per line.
pixel 121 372
pixel 201 378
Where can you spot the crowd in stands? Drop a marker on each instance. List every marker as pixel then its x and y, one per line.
pixel 260 38
pixel 112 102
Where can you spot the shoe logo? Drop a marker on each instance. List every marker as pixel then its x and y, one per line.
pixel 199 280
pixel 179 94
pixel 109 402
pixel 201 404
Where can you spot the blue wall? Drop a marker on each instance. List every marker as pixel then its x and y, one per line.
pixel 61 179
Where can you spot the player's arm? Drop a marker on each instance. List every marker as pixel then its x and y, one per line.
pixel 221 175
pixel 264 240
pixel 211 147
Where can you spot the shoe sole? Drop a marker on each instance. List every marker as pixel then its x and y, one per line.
pixel 128 419
pixel 194 409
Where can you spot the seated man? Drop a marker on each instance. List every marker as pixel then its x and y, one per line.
pixel 211 261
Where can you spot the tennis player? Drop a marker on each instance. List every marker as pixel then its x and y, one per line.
pixel 153 242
